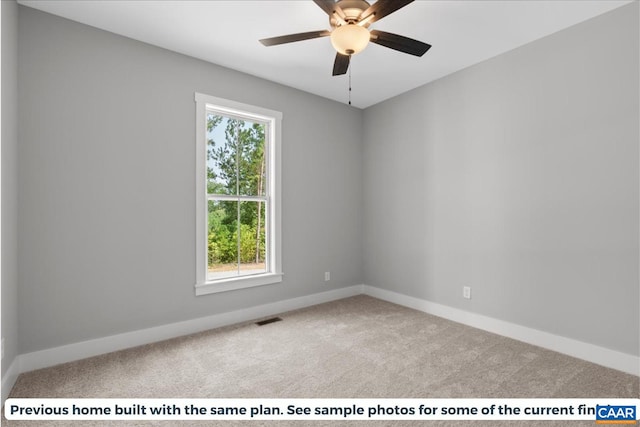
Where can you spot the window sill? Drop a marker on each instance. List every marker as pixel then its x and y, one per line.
pixel 237 283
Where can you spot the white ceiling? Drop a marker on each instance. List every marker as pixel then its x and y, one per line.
pixel 462 33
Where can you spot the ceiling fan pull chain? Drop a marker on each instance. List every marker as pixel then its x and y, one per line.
pixel 351 66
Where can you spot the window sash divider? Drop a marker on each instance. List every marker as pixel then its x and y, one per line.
pixel 234 198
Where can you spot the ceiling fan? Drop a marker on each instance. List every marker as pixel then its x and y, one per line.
pixel 350 21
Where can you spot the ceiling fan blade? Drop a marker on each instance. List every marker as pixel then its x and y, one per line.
pixel 289 38
pixel 382 8
pixel 399 43
pixel 341 64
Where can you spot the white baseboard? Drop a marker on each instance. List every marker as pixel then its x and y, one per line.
pixel 81 350
pixel 585 351
pixel 10 377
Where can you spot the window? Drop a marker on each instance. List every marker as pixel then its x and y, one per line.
pixel 237 195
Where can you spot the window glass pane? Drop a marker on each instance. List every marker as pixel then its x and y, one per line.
pixel 252 162
pixel 236 161
pixel 222 241
pixel 229 256
pixel 221 155
pixel 252 237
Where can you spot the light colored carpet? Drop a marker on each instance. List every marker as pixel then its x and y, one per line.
pixel 359 347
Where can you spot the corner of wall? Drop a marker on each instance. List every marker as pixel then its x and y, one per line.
pixel 8 203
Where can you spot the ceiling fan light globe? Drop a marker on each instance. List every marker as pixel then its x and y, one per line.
pixel 350 39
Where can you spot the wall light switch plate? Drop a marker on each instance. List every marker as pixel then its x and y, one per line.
pixel 466 292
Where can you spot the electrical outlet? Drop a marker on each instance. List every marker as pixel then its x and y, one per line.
pixel 466 292
pixel 2 348
pixel 327 276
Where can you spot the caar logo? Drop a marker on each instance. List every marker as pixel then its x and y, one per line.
pixel 615 414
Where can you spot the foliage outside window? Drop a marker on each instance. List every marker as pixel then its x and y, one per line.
pixel 239 146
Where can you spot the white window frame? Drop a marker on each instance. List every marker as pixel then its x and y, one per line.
pixel 273 118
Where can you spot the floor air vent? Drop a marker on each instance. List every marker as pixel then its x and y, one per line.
pixel 267 321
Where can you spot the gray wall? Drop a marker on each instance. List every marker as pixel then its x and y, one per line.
pixel 518 177
pixel 106 169
pixel 9 181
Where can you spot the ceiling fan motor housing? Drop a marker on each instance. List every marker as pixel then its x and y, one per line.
pixel 352 10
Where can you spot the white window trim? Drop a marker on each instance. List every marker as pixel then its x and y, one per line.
pixel 202 286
